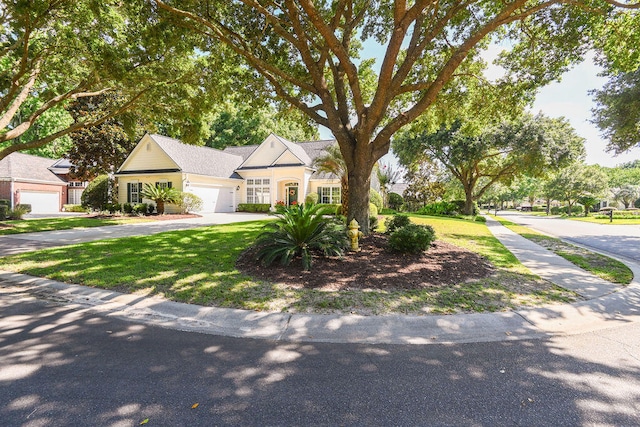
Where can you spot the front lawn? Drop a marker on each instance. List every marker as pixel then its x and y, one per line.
pixel 616 221
pixel 198 266
pixel 50 224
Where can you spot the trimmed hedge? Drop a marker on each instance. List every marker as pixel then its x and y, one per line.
pixel 73 208
pixel 411 238
pixel 254 207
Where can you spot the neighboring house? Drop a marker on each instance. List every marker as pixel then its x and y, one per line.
pixel 275 171
pixel 62 168
pixel 27 179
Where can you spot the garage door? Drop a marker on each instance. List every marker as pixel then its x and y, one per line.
pixel 41 201
pixel 214 199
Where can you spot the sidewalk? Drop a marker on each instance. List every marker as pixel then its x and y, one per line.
pixel 607 309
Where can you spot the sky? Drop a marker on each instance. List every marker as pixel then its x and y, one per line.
pixel 567 98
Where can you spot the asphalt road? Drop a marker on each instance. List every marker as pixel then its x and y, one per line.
pixel 66 367
pixel 621 240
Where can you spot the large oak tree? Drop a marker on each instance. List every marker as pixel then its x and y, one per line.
pixel 310 54
pixel 55 52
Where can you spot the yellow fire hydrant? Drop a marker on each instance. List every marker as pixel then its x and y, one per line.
pixel 354 234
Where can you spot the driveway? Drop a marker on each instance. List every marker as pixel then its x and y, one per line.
pixel 18 243
pixel 621 240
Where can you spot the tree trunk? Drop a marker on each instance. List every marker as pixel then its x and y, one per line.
pixel 359 184
pixel 468 202
pixel 344 195
pixel 160 207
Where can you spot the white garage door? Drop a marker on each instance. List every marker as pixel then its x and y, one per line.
pixel 218 199
pixel 41 201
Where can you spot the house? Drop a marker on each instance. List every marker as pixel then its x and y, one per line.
pixel 276 170
pixel 27 179
pixel 62 168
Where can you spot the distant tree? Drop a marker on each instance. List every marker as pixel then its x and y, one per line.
pixel 387 176
pixel 424 185
pixel 576 181
pixel 626 194
pixel 496 154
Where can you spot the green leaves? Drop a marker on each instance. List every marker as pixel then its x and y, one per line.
pixel 300 230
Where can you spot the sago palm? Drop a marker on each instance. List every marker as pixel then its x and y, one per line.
pixel 300 231
pixel 160 195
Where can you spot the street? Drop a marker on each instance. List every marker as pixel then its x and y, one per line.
pixel 620 240
pixel 62 366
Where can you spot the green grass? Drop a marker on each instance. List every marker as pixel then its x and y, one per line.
pixel 600 265
pixel 50 224
pixel 616 221
pixel 198 266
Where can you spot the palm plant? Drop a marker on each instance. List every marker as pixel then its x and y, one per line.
pixel 160 195
pixel 300 230
pixel 387 176
pixel 332 162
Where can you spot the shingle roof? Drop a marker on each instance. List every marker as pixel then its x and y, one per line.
pixel 28 167
pixel 199 160
pixel 305 151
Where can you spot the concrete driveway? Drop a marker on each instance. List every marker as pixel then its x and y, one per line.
pixel 25 242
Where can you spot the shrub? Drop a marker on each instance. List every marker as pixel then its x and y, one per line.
pixel 311 199
pixel 555 210
pixel 254 207
pixel 395 222
pixel 23 207
pixel 4 212
pixel 376 199
pixel 411 238
pixel 19 211
pixel 127 208
pixel 73 208
pixel 373 210
pixel 96 195
pixel 299 231
pixel 395 201
pixel 373 223
pixel 190 202
pixel 113 207
pixel 575 209
pixel 439 209
pixel 5 202
pixel 479 218
pixel 140 208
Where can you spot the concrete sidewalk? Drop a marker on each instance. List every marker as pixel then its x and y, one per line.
pixel 606 309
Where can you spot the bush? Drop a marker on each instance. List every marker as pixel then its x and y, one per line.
pixel 300 230
pixel 395 222
pixel 479 218
pixel 373 210
pixel 127 208
pixel 96 195
pixel 555 210
pixel 373 223
pixel 311 199
pixel 190 202
pixel 376 199
pixel 140 208
pixel 113 207
pixel 5 202
pixel 395 201
pixel 439 209
pixel 4 212
pixel 575 210
pixel 23 207
pixel 254 207
pixel 19 211
pixel 411 238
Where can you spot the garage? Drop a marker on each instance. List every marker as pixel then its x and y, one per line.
pixel 41 201
pixel 215 199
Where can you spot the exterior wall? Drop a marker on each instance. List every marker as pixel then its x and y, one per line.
pixel 179 181
pixel 5 190
pixel 176 180
pixel 266 154
pixel 279 177
pixel 148 156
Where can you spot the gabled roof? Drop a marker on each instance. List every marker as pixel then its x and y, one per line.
pixel 21 166
pixel 199 160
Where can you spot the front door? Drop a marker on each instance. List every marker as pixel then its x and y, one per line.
pixel 292 195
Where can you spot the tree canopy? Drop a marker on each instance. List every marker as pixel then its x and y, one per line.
pixel 55 52
pixel 310 55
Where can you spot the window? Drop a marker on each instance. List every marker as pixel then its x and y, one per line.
pixel 163 184
pixel 133 192
pixel 75 196
pixel 329 195
pixel 258 190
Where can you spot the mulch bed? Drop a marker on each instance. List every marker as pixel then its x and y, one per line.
pixel 374 267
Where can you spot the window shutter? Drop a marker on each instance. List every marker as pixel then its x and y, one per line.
pixel 139 191
pixel 128 192
pixel 169 184
pixel 157 184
